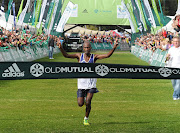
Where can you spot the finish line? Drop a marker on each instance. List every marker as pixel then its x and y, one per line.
pixel 58 70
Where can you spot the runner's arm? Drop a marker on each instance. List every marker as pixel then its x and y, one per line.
pixel 65 54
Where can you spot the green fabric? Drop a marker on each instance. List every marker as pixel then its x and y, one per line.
pixel 9 9
pixel 162 18
pixel 38 42
pixel 20 9
pixel 33 40
pixel 99 12
pixel 49 14
pixel 37 12
pixel 130 9
pixel 33 17
pixel 142 14
pixel 57 18
pixel 156 12
pixel 29 39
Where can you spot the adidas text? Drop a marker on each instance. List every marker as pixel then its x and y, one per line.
pixel 13 71
pixel 13 74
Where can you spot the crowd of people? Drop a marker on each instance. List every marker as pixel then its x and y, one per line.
pixel 105 38
pixel 162 40
pixel 23 37
pixel 20 38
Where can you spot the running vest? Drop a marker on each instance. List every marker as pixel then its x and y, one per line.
pixel 86 83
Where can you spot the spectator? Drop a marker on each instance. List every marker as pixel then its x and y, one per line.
pixel 164 33
pixel 51 47
pixel 173 55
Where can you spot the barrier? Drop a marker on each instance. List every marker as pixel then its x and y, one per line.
pixel 156 58
pixel 109 46
pixel 56 70
pixel 29 54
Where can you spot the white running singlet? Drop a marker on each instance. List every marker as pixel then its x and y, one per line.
pixel 86 83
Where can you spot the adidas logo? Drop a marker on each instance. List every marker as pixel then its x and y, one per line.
pixel 13 71
pixel 85 11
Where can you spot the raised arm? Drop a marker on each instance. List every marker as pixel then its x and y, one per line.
pixel 65 54
pixel 102 56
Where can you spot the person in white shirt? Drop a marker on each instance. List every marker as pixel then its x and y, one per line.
pixel 87 86
pixel 174 56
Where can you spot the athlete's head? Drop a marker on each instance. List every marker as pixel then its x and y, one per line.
pixel 87 47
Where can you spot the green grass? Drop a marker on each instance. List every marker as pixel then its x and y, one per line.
pixel 122 105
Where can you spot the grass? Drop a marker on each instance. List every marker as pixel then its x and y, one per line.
pixel 122 105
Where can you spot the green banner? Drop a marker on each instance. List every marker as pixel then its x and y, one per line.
pixel 20 9
pixel 130 9
pixel 162 15
pixel 100 12
pixel 37 12
pixel 156 12
pixel 33 15
pixel 141 14
pixel 9 9
pixel 57 18
pixel 49 14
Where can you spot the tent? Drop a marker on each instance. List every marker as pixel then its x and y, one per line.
pixel 114 33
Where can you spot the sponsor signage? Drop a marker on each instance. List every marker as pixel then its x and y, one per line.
pixel 12 71
pixel 55 70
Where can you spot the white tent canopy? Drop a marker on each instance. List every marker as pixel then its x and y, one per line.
pixel 81 30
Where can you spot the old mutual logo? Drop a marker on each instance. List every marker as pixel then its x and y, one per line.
pixel 165 72
pixel 102 70
pixel 37 70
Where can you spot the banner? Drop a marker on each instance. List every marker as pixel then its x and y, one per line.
pixel 56 70
pixel 49 13
pixel 38 7
pixel 129 17
pixel 46 12
pixel 141 14
pixel 156 58
pixel 48 17
pixel 29 17
pixel 66 14
pixel 148 12
pixel 34 11
pixel 156 12
pixel 30 53
pixel 20 9
pixel 8 11
pixel 53 16
pixel 162 15
pixel 130 9
pixel 23 13
pixel 43 7
pixel 57 18
pixel 98 12
pixel 137 15
pixel 14 14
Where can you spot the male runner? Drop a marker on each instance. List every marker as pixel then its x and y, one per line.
pixel 86 86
